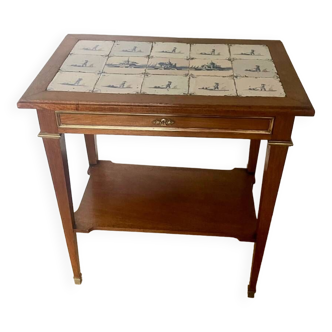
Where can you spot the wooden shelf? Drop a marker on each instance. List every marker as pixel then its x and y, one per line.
pixel 168 200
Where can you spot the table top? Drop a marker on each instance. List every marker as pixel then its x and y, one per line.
pixel 91 70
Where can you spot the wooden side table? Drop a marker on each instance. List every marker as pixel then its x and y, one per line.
pixel 151 86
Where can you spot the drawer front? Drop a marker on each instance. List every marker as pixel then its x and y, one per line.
pixel 149 122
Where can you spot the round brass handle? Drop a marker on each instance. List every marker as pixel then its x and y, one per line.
pixel 163 122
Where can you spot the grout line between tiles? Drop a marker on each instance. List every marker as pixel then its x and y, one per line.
pixel 146 74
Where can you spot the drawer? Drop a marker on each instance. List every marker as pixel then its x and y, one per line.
pixel 150 122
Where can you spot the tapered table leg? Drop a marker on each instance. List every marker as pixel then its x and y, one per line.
pixel 274 164
pixel 253 155
pixel 55 148
pixel 91 146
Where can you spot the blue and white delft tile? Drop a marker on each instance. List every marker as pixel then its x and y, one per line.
pixel 165 85
pixel 93 47
pixel 205 67
pixel 212 86
pixel 131 49
pixel 84 63
pixel 124 65
pixel 171 50
pixel 70 81
pixel 254 68
pixel 119 83
pixel 168 66
pixel 260 52
pixel 209 51
pixel 259 87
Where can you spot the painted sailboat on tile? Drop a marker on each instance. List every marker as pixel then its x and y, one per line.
pixel 126 64
pixel 166 65
pixel 210 66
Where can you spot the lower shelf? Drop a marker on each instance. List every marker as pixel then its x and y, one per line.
pixel 168 200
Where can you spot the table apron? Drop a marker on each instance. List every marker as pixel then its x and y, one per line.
pixel 164 125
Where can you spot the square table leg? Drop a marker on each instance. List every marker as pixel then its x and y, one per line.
pixel 253 155
pixel 55 148
pixel 274 164
pixel 91 148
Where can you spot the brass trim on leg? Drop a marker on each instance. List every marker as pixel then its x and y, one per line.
pixel 47 135
pixel 285 143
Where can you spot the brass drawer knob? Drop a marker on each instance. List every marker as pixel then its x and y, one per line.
pixel 163 122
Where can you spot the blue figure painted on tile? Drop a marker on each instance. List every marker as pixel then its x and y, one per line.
pixel 76 83
pixel 251 53
pixel 135 49
pixel 94 48
pixel 82 65
pixel 215 87
pixel 122 85
pixel 262 88
pixel 213 52
pixel 165 87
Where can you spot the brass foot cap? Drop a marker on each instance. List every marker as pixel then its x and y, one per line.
pixel 78 281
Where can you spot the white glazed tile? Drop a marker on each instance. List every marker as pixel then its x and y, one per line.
pixel 131 48
pixel 260 52
pixel 172 50
pixel 93 47
pixel 254 68
pixel 205 67
pixel 70 81
pixel 119 83
pixel 124 65
pixel 212 86
pixel 165 85
pixel 84 63
pixel 259 87
pixel 168 66
pixel 209 51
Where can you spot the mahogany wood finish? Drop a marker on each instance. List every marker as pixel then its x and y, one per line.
pixel 165 199
pixel 168 200
pixel 57 159
pixel 253 155
pixel 91 148
pixel 274 165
